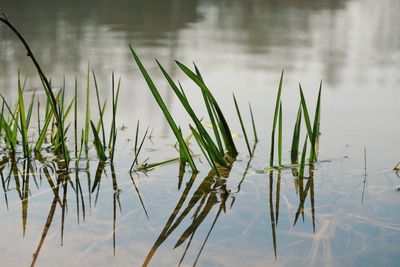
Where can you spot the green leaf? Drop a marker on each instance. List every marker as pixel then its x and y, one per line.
pixel 278 100
pixel 296 137
pixel 164 109
pixel 242 125
pixel 223 125
pixel 216 154
pixel 97 143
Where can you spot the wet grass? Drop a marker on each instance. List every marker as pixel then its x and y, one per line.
pixel 52 139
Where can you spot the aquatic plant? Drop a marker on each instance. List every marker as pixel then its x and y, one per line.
pixel 186 156
pixel 312 132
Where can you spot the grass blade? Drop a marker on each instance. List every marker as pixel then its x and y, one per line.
pixel 278 100
pixel 203 148
pixel 43 133
pixel 313 153
pixel 211 114
pixel 223 125
pixel 97 143
pixel 24 128
pixel 241 124
pixel 296 137
pixel 303 159
pixel 280 135
pixel 164 109
pixel 99 107
pixel 76 118
pixel 253 124
pixel 137 151
pixel 216 154
pixel 87 119
pixel 29 115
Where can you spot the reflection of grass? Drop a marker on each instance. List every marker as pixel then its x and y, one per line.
pixel 397 167
pixel 211 192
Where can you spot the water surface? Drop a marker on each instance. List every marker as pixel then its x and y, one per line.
pixel 240 46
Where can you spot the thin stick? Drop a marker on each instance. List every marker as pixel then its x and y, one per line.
pixel 4 20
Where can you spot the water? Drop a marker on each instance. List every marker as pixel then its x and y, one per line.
pixel 241 47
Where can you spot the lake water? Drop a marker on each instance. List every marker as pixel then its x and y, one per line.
pixel 345 215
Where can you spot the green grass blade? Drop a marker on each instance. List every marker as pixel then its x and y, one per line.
pixel 13 114
pixel 38 117
pixel 1 118
pixel 210 114
pixel 217 155
pixel 137 151
pixel 278 100
pixel 308 123
pixel 8 134
pixel 87 119
pixel 97 143
pixel 223 125
pixel 76 117
pixel 313 153
pixel 24 128
pixel 99 107
pixel 280 135
pixel 253 124
pixel 99 123
pixel 115 97
pixel 164 109
pixel 204 150
pixel 136 140
pixel 68 110
pixel 241 124
pixel 43 133
pixel 30 109
pixel 296 137
pixel 303 159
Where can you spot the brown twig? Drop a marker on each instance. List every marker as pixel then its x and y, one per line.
pixel 4 19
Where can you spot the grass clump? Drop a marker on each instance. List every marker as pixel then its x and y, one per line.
pixel 312 130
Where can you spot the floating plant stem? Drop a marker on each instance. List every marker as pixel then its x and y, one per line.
pixel 146 166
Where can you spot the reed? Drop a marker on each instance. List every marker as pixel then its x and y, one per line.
pixel 242 126
pixel 276 114
pixel 185 150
